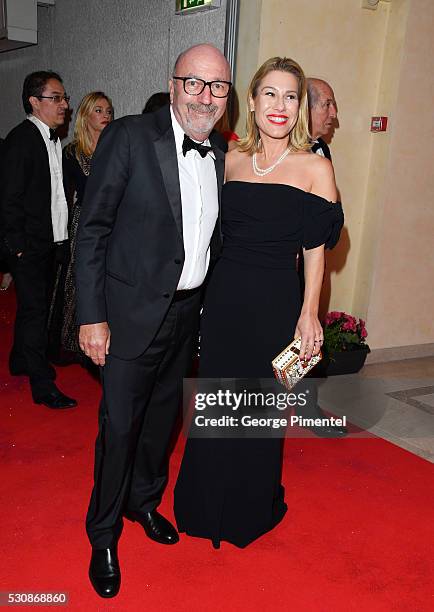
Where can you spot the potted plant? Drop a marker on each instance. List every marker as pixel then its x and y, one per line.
pixel 345 347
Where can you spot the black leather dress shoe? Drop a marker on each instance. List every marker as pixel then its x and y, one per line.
pixel 329 431
pixel 55 399
pixel 104 572
pixel 156 527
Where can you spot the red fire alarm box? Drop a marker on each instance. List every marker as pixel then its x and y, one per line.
pixel 378 124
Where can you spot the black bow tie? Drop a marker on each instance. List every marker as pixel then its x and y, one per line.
pixel 316 145
pixel 53 135
pixel 190 144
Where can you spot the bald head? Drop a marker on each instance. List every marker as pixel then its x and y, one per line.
pixel 202 50
pixel 322 107
pixel 197 113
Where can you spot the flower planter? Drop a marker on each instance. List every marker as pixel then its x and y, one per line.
pixel 345 362
pixel 343 331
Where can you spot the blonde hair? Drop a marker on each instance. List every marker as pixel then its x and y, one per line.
pixel 299 137
pixel 82 140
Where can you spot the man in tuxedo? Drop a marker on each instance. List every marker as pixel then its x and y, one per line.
pixel 322 116
pixel 34 218
pixel 322 113
pixel 150 213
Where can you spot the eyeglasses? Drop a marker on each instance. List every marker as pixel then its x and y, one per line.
pixel 194 87
pixel 56 99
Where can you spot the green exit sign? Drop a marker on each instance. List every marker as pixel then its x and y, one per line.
pixel 187 6
pixel 191 4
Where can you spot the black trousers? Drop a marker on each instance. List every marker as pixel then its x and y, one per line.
pixel 33 274
pixel 138 411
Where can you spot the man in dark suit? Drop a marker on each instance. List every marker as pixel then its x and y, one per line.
pixel 34 217
pixel 150 212
pixel 322 113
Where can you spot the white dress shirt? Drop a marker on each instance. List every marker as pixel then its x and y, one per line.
pixel 59 207
pixel 199 198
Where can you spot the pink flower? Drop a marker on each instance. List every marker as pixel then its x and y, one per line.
pixel 363 333
pixel 350 319
pixel 349 325
pixel 331 317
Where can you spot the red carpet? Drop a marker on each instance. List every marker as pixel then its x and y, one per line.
pixel 358 534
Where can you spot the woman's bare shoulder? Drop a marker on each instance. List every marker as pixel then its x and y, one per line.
pixel 235 155
pixel 314 160
pixel 236 160
pixel 323 178
pixel 321 166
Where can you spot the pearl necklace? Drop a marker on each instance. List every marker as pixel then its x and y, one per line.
pixel 264 171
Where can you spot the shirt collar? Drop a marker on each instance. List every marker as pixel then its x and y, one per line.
pixel 40 123
pixel 179 135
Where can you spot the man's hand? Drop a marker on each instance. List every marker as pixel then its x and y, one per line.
pixel 94 340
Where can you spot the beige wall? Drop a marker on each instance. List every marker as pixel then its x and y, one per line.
pixel 378 63
pixel 403 281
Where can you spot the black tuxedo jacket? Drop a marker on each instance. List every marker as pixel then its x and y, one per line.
pixel 321 144
pixel 25 190
pixel 130 250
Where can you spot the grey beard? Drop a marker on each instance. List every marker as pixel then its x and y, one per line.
pixel 199 125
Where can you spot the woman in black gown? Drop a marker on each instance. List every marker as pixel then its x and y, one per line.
pixel 94 113
pixel 278 196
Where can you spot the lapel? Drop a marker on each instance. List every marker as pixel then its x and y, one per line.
pixel 40 151
pixel 37 137
pixel 165 150
pixel 219 163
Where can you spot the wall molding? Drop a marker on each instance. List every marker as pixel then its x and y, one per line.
pixel 397 353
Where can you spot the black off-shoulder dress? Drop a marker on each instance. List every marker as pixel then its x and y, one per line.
pixel 230 489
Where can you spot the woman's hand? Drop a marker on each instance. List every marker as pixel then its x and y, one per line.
pixel 312 336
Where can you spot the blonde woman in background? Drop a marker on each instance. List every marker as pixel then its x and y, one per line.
pixel 94 113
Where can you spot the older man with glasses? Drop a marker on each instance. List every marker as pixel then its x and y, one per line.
pixel 149 226
pixel 34 227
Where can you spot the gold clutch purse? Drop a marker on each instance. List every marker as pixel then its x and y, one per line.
pixel 287 367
